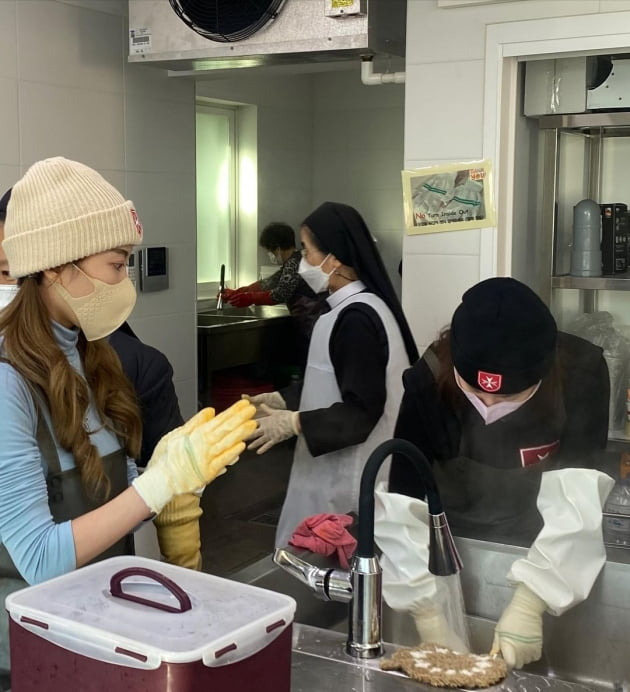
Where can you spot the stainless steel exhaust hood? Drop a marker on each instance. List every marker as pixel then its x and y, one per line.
pixel 200 35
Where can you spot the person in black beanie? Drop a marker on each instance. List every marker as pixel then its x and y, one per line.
pixel 503 406
pixel 352 385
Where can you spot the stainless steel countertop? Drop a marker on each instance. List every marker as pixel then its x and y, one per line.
pixel 319 663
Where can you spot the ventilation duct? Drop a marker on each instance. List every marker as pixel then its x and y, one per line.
pixel 200 35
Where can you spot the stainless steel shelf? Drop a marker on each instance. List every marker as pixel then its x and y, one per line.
pixel 621 282
pixel 614 124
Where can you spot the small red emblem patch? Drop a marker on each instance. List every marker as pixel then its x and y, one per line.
pixel 489 381
pixel 136 221
pixel 535 455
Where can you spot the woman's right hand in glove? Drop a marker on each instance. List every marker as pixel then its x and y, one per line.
pixel 193 455
pixel 271 399
pixel 518 635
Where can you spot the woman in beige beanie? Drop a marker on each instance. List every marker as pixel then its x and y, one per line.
pixel 69 422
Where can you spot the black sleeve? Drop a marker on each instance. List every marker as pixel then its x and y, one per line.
pixel 586 390
pixel 428 422
pixel 359 353
pixel 151 375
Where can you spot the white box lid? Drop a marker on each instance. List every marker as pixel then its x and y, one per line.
pixel 227 621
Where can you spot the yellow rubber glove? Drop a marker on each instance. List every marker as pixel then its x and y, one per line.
pixel 518 634
pixel 190 457
pixel 178 534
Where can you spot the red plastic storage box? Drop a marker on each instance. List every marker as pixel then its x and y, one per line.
pixel 130 623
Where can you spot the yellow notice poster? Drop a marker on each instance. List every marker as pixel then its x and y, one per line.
pixel 448 197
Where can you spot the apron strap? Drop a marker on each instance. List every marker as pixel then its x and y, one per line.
pixel 431 359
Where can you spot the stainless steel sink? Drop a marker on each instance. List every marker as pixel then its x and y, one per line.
pixel 252 311
pixel 553 671
pixel 212 320
pixel 319 662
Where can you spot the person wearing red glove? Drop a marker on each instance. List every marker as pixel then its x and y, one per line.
pixel 285 285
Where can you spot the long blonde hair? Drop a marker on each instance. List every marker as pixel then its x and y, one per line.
pixel 29 345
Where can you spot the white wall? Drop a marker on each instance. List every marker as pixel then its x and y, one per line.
pixel 324 136
pixel 284 149
pixel 67 90
pixel 358 154
pixel 444 121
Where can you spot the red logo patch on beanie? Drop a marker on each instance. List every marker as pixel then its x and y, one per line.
pixel 136 221
pixel 489 381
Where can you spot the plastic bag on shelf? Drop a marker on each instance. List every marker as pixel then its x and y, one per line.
pixel 599 329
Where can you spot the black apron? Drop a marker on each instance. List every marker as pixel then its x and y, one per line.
pixel 67 500
pixel 489 490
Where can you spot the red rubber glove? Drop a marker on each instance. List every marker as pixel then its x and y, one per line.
pixel 242 300
pixel 229 293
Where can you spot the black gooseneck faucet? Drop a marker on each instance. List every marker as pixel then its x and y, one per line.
pixel 361 586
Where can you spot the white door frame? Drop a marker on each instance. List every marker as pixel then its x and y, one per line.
pixel 506 45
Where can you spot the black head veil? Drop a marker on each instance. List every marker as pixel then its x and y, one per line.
pixel 340 230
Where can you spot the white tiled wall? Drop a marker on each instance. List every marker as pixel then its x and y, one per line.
pixel 284 147
pixel 358 153
pixel 444 121
pixel 321 137
pixel 67 90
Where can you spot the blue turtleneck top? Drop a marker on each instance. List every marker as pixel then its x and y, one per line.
pixel 40 548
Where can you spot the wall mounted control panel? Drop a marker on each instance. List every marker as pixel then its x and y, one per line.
pixel 153 268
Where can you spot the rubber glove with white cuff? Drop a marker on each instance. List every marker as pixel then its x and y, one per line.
pixel 193 455
pixel 401 531
pixel 518 634
pixel 270 399
pixel 178 533
pixel 561 566
pixel 275 426
pixel 433 627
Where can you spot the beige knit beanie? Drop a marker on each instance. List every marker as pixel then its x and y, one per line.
pixel 61 211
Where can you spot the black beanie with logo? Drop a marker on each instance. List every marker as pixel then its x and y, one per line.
pixel 503 337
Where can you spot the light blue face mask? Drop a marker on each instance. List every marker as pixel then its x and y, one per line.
pixel 314 276
pixel 7 294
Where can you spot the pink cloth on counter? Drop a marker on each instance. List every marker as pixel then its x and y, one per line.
pixel 325 534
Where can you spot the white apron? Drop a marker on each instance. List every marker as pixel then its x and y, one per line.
pixel 330 482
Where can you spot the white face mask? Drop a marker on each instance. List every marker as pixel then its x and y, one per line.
pixel 273 258
pixel 315 277
pixel 491 414
pixel 7 294
pixel 103 310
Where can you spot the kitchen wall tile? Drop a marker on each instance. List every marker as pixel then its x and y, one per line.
pixel 79 124
pixel 119 7
pixel 9 126
pixel 344 90
pixel 187 395
pixel 8 39
pixel 159 135
pixel 180 297
pixel 174 334
pixel 145 80
pixel 377 128
pixel 614 5
pixel 166 205
pixel 459 33
pixel 444 110
pixel 445 243
pixel 90 56
pixel 8 177
pixel 376 169
pixel 432 288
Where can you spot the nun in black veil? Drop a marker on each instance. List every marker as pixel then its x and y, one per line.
pixel 352 387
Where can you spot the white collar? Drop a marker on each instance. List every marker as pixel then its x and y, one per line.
pixel 341 294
